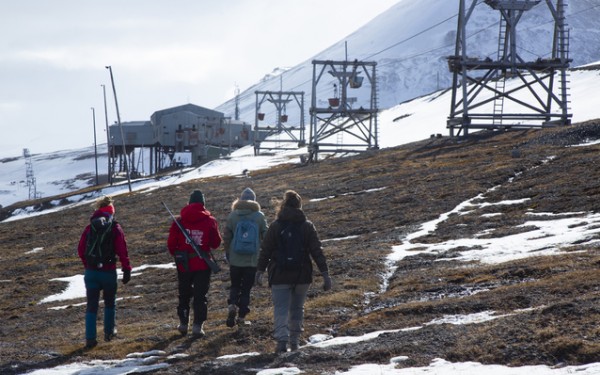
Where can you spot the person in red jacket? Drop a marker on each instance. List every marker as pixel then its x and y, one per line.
pixel 193 274
pixel 103 276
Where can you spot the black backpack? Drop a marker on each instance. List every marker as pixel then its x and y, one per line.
pixel 99 245
pixel 290 246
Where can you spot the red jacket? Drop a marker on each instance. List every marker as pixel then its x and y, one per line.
pixel 203 229
pixel 120 245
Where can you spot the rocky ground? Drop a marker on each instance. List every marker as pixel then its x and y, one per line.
pixel 552 303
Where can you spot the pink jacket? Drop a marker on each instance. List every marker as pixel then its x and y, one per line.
pixel 120 245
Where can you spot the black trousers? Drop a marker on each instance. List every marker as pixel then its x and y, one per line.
pixel 193 285
pixel 242 281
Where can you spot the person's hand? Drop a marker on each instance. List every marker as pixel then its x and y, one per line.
pixel 258 278
pixel 326 281
pixel 126 276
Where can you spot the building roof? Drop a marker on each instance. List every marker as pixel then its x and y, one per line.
pixel 196 109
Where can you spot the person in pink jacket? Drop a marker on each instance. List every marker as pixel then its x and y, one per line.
pixel 103 276
pixel 193 274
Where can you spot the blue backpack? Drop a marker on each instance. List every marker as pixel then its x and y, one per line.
pixel 246 238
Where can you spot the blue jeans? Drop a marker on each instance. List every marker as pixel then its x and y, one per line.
pixel 288 311
pixel 96 281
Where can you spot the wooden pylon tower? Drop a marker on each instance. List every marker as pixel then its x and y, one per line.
pixel 281 132
pixel 541 95
pixel 341 114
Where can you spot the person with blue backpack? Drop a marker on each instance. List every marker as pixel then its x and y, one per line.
pixel 243 233
pixel 290 246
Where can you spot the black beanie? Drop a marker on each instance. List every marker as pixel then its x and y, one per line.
pixel 197 197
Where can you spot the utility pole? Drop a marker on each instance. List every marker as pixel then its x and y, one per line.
pixel 112 80
pixel 95 145
pixel 237 103
pixel 107 137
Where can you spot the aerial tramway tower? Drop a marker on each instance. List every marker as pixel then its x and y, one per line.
pixel 339 115
pixel 278 135
pixel 541 97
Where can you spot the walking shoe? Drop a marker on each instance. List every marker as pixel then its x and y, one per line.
pixel 281 347
pixel 197 330
pixel 294 345
pixel 183 329
pixel 231 316
pixel 89 344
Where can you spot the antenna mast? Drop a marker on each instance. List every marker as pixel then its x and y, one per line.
pixel 29 174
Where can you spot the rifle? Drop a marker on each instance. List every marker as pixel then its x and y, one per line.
pixel 202 254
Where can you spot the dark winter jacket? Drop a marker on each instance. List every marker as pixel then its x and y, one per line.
pixel 202 228
pixel 119 245
pixel 268 254
pixel 243 209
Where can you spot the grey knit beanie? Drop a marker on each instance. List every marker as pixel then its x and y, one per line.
pixel 248 195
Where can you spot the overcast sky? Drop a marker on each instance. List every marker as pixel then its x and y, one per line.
pixel 163 53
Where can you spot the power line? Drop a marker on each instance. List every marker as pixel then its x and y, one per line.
pixel 412 36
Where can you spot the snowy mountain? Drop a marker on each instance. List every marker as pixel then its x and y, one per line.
pixel 409 42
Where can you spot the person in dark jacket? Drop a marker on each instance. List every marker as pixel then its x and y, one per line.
pixel 289 288
pixel 193 274
pixel 103 277
pixel 242 266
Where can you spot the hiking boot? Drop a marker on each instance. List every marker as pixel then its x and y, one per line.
pixel 183 329
pixel 197 330
pixel 184 318
pixel 109 336
pixel 89 344
pixel 231 316
pixel 240 321
pixel 281 347
pixel 294 345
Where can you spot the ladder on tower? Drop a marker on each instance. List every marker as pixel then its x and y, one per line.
pixel 564 49
pixel 500 75
pixel 339 136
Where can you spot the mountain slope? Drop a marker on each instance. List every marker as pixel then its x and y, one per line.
pixel 534 310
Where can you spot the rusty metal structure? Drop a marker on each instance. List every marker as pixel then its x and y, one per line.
pixel 541 95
